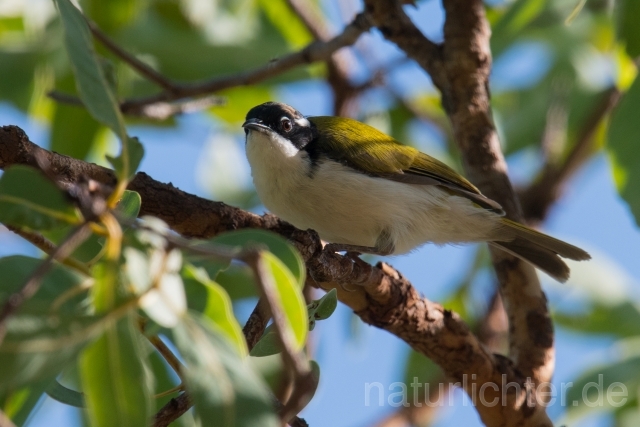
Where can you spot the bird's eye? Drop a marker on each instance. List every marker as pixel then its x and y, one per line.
pixel 285 124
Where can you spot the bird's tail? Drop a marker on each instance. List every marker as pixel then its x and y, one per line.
pixel 542 251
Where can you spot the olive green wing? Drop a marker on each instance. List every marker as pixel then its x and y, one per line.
pixel 361 146
pixel 365 148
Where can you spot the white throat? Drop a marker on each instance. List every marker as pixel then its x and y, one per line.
pixel 264 142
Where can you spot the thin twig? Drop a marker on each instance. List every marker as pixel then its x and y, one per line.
pixel 540 196
pixel 142 68
pixel 5 421
pixel 256 324
pixel 47 246
pixel 379 295
pixel 316 51
pixel 31 286
pixel 168 355
pixel 303 381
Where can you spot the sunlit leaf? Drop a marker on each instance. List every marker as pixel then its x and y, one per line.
pixel 115 380
pixel 209 298
pixel 28 199
pixel 287 22
pixel 291 299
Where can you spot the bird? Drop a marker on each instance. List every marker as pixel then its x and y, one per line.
pixel 364 192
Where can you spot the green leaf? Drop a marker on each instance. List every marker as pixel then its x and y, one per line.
pixel 38 347
pixel 268 344
pixel 628 28
pixel 94 88
pixel 291 299
pixel 592 388
pixel 16 269
pixel 287 22
pixel 226 390
pixel 17 70
pixel 238 281
pixel 276 244
pixel 65 395
pixel 622 320
pixel 624 132
pixel 73 131
pixel 215 304
pixel 115 378
pixel 129 204
pixel 28 199
pixel 322 308
pixel 92 85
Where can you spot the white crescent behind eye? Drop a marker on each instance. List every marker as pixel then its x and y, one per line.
pixel 302 122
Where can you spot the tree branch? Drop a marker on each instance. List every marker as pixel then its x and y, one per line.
pixel 316 51
pixel 542 194
pixel 460 69
pixel 380 295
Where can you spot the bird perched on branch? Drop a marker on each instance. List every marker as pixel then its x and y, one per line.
pixel 365 192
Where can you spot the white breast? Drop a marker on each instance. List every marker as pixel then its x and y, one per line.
pixel 345 206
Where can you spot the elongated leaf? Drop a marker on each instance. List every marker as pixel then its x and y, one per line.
pixel 215 304
pixel 226 390
pixel 90 80
pixel 94 88
pixel 115 378
pixel 27 199
pixel 65 395
pixel 37 348
pixel 621 319
pixel 15 270
pixel 291 299
pixel 593 388
pixel 624 133
pixel 275 243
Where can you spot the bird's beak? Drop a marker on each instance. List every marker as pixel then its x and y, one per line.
pixel 256 124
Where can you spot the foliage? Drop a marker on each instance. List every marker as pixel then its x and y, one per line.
pixel 99 320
